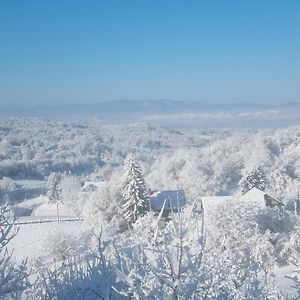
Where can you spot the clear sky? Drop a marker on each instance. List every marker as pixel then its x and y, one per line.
pixel 67 51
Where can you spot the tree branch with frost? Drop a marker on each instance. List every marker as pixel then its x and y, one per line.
pixel 13 277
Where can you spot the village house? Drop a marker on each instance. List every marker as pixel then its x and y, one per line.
pixel 168 200
pixel 254 196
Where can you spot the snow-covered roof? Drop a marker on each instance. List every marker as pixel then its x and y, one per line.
pixel 91 186
pixel 173 199
pixel 31 184
pixel 253 196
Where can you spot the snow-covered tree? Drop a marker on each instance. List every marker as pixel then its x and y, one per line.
pixel 7 184
pixel 135 200
pixel 102 209
pixel 54 187
pixel 172 261
pixel 254 178
pixel 54 190
pixel 70 188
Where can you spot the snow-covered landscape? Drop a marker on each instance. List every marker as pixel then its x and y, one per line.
pixel 149 150
pixel 98 211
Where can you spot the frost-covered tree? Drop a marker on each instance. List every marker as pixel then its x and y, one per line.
pixel 54 190
pixel 102 209
pixel 254 178
pixel 135 200
pixel 13 277
pixel 54 187
pixel 7 184
pixel 172 261
pixel 70 188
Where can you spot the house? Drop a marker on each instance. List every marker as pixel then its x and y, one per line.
pixel 168 200
pixel 254 196
pixel 260 198
pixel 92 186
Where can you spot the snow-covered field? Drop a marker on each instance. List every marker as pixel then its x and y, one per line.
pixel 31 240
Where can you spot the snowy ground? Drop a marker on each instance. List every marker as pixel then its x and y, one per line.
pixel 31 239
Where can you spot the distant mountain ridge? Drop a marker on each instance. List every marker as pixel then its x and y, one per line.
pixel 133 108
pixel 168 113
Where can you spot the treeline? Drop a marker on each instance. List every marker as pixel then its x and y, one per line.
pixel 200 161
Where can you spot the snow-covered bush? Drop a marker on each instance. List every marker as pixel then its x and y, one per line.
pixel 91 278
pixel 62 247
pixel 172 261
pixel 240 236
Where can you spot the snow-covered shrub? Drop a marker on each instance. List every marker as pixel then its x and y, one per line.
pixel 92 278
pixel 159 260
pixel 62 247
pixel 172 261
pixel 239 235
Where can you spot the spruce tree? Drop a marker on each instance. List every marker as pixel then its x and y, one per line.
pixel 254 178
pixel 135 200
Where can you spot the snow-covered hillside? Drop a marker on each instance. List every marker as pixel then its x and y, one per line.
pixel 84 226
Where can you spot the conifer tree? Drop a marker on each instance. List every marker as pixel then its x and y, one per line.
pixel 254 178
pixel 135 200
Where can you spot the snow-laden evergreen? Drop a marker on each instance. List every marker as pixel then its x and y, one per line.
pixel 253 178
pixel 135 200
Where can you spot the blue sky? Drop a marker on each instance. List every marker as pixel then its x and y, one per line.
pixel 69 51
